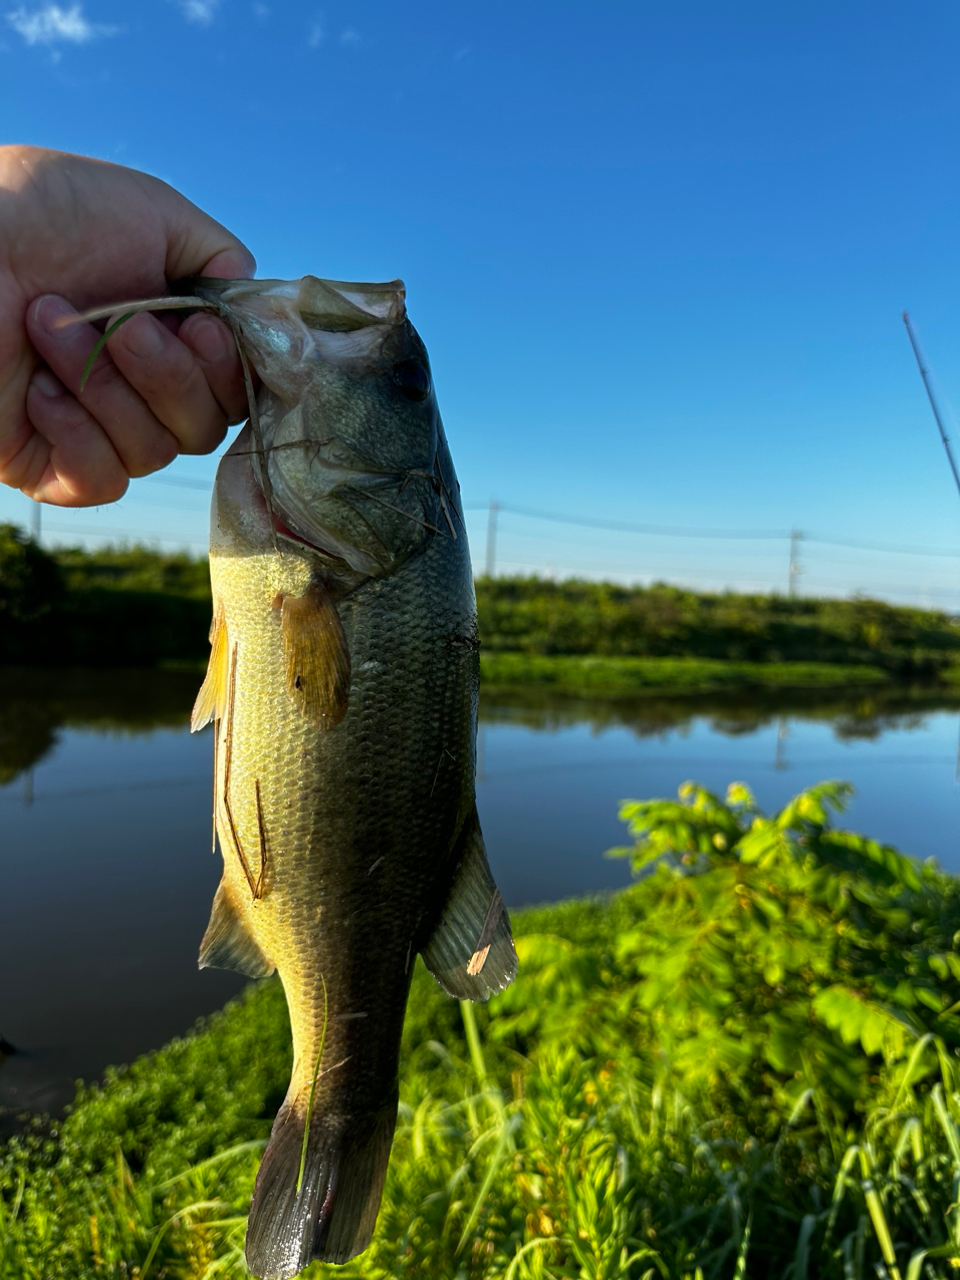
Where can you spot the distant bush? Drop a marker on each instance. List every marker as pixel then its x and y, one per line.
pixel 133 606
pixel 529 615
pixel 119 607
pixel 31 583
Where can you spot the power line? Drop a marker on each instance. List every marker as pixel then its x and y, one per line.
pixel 625 526
pixel 114 532
pixel 680 531
pixel 205 485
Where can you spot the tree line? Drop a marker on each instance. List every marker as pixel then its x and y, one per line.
pixel 133 606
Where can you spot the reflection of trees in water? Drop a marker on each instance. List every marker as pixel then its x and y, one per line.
pixel 852 717
pixel 35 704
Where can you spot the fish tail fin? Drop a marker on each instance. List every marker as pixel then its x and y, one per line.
pixel 319 1199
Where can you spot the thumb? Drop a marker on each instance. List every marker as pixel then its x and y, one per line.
pixel 199 245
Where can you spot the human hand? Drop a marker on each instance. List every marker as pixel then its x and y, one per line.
pixel 76 233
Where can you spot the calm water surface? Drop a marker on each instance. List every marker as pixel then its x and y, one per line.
pixel 107 874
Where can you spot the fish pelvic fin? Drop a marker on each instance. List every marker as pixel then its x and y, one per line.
pixel 212 698
pixel 228 943
pixel 471 951
pixel 318 1199
pixel 316 656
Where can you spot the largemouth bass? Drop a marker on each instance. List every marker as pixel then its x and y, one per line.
pixel 343 685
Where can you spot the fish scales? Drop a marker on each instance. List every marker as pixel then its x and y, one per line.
pixel 343 683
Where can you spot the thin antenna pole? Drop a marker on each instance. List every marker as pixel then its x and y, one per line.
pixel 933 403
pixel 35 522
pixel 492 538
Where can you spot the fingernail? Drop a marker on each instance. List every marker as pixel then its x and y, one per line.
pixel 209 339
pixel 49 313
pixel 47 384
pixel 142 336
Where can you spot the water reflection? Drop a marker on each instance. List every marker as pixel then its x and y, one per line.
pixel 107 876
pixel 36 704
pixel 860 717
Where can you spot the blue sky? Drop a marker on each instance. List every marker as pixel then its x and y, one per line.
pixel 658 253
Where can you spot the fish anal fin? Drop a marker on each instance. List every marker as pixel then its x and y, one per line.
pixel 471 951
pixel 318 1200
pixel 212 698
pixel 315 655
pixel 228 944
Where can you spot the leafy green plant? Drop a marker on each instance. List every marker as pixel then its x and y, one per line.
pixel 779 955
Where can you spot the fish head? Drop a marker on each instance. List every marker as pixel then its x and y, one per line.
pixel 353 460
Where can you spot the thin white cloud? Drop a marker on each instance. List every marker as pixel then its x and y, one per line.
pixel 53 25
pixel 199 11
pixel 315 36
pixel 262 11
pixel 350 36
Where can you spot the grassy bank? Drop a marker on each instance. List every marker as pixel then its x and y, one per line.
pixel 528 615
pixel 625 677
pixel 132 606
pixel 743 1066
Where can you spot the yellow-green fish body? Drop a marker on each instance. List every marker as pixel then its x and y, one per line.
pixel 343 682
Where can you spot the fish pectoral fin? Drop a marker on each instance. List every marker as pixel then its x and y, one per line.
pixel 228 943
pixel 318 1193
pixel 471 951
pixel 316 657
pixel 212 698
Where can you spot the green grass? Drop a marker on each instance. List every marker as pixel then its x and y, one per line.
pixel 633 1107
pixel 624 677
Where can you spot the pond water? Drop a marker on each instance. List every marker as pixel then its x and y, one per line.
pixel 107 874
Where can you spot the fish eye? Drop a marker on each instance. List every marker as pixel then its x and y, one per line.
pixel 412 379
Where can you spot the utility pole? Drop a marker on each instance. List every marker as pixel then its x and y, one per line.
pixel 35 521
pixel 783 732
pixel 930 396
pixel 492 537
pixel 796 537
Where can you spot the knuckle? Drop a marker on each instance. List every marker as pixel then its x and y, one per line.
pixel 154 453
pixel 104 379
pixel 205 439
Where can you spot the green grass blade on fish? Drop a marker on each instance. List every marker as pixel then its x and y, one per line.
pixel 101 343
pixel 130 309
pixel 313 1090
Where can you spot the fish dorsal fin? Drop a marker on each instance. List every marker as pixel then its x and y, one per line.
pixel 471 951
pixel 316 658
pixel 212 698
pixel 228 944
